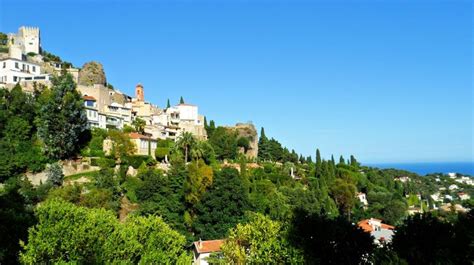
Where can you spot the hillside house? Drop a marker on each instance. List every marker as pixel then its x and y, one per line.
pixel 203 249
pixel 381 232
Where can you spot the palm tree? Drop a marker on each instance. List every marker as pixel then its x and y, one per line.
pixel 197 151
pixel 186 142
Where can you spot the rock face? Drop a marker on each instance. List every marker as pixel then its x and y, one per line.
pixel 248 130
pixel 92 73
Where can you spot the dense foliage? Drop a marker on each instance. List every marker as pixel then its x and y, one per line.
pixel 276 208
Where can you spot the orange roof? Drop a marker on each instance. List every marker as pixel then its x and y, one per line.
pixel 135 135
pixel 208 246
pixel 88 98
pixel 364 224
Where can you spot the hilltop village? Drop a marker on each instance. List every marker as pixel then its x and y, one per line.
pixel 92 175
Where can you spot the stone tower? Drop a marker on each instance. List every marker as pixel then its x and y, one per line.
pixel 139 94
pixel 29 39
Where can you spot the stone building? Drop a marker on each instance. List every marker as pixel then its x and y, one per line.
pixel 27 39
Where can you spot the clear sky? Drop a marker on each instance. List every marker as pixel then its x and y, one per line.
pixel 387 81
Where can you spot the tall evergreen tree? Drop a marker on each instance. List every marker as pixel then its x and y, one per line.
pixel 62 119
pixel 181 100
pixel 354 162
pixel 318 166
pixel 263 146
pixel 341 160
pixel 168 105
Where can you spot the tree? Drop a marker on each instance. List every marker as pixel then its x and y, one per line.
pixel 329 241
pixel 121 144
pixel 318 166
pixel 55 174
pixel 222 207
pixel 260 241
pixel 263 147
pixel 224 143
pixel 61 119
pixel 168 105
pixel 139 125
pixel 199 178
pixel 343 193
pixel 341 160
pixel 424 239
pixel 186 141
pixel 95 236
pixel 181 100
pixel 145 240
pixel 353 162
pixel 243 142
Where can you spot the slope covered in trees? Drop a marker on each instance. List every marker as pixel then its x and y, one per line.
pixel 305 208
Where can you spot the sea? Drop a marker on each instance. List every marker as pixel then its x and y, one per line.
pixel 465 168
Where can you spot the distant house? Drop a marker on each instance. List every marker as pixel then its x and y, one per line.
pixel 381 232
pixel 145 144
pixel 464 196
pixel 453 187
pixel 203 249
pixel 362 198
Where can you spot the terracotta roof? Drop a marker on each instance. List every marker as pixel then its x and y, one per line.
pixel 135 135
pixel 364 224
pixel 89 98
pixel 208 246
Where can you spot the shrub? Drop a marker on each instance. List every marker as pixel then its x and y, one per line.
pixel 136 160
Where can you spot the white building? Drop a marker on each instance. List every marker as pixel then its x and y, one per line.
pixel 203 249
pixel 453 187
pixel 362 198
pixel 436 197
pixel 90 104
pixel 27 39
pixel 14 70
pixel 381 232
pixel 464 196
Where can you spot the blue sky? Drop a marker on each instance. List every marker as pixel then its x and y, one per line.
pixel 387 81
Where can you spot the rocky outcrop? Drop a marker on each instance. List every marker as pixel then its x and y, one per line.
pixel 248 131
pixel 92 73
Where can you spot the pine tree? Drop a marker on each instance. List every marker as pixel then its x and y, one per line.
pixel 168 105
pixel 181 100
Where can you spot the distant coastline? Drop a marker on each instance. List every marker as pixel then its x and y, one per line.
pixel 465 168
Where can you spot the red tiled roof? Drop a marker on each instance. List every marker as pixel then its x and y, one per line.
pixel 364 224
pixel 89 98
pixel 135 135
pixel 208 246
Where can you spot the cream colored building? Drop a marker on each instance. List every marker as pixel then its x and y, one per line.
pixel 145 145
pixel 27 39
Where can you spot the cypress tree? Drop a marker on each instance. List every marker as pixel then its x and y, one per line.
pixel 318 167
pixel 168 105
pixel 341 160
pixel 354 162
pixel 181 100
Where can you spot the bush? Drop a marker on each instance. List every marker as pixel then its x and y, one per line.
pixel 105 162
pixel 136 160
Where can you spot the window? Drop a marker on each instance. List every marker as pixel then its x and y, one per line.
pixel 4 64
pixel 34 68
pixel 15 79
pixel 16 65
pixel 90 103
pixel 143 144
